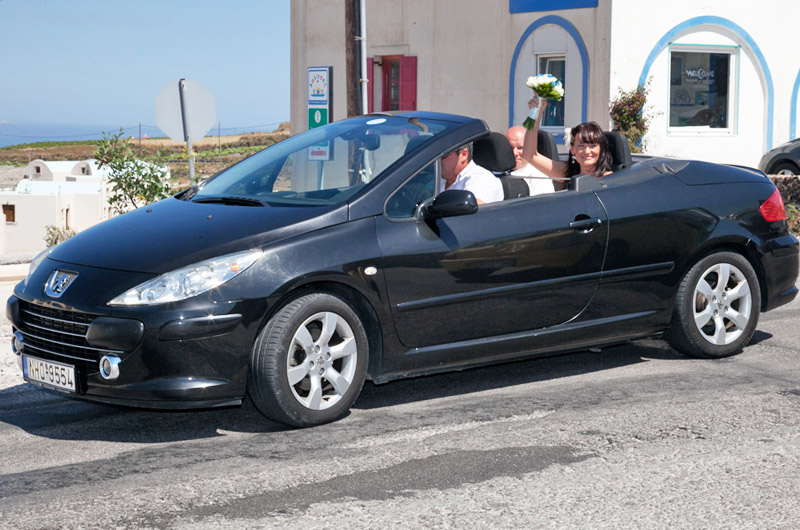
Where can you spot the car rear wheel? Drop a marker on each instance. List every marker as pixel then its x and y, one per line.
pixel 308 363
pixel 716 308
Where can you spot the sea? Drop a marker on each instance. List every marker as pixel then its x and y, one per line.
pixel 19 133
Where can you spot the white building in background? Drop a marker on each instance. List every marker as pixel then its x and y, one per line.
pixel 68 195
pixel 724 76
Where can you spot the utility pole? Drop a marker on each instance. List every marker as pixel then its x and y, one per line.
pixel 351 69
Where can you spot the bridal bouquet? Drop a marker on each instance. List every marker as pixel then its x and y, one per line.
pixel 546 87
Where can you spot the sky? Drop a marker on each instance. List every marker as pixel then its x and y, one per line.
pixel 70 67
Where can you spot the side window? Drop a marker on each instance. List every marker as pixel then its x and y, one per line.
pixel 402 204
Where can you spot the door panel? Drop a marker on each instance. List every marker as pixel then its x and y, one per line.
pixel 512 266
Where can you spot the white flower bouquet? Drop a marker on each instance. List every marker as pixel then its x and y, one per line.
pixel 545 86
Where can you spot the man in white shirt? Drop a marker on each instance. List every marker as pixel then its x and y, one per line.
pixel 538 182
pixel 460 172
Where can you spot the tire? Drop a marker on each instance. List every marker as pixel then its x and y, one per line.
pixel 716 308
pixel 309 362
pixel 785 168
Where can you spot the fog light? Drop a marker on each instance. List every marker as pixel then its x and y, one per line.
pixel 17 343
pixel 109 367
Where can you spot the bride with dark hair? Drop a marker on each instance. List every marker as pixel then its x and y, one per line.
pixel 589 153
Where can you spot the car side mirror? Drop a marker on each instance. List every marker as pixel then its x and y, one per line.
pixel 450 203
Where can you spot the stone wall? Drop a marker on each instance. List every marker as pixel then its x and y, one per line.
pixel 789 187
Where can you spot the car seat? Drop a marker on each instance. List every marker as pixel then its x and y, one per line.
pixel 620 150
pixel 547 145
pixel 494 152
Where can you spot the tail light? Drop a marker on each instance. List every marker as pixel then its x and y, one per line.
pixel 773 209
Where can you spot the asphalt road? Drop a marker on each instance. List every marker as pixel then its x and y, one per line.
pixel 634 437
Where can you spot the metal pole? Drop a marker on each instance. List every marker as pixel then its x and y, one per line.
pixel 363 43
pixel 186 133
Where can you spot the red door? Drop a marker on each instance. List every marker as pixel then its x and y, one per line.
pixel 399 83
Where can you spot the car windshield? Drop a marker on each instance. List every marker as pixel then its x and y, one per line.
pixel 322 166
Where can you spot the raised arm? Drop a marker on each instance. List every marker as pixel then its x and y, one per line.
pixel 530 148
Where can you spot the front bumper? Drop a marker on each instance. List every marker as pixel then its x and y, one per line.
pixel 193 354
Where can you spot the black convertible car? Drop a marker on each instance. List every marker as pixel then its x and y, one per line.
pixel 333 257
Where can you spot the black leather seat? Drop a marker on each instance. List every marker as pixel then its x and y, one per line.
pixel 547 145
pixel 494 152
pixel 620 150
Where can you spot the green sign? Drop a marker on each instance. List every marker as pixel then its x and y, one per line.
pixel 317 117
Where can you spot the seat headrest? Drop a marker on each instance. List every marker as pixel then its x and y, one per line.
pixel 494 153
pixel 620 150
pixel 547 145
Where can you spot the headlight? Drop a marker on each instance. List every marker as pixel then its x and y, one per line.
pixel 36 261
pixel 188 281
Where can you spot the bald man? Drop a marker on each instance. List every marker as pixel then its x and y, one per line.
pixel 538 182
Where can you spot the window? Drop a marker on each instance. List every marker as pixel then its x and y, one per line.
pixel 554 65
pixel 9 213
pixel 37 169
pixel 403 202
pixel 701 91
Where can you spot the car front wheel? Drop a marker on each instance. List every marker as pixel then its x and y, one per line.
pixel 716 308
pixel 308 363
pixel 785 169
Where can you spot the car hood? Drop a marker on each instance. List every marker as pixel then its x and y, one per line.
pixel 173 233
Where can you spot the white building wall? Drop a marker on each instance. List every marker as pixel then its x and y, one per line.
pixel 52 199
pixel 467 73
pixel 321 24
pixel 463 48
pixel 593 30
pixel 32 214
pixel 760 33
pixel 467 53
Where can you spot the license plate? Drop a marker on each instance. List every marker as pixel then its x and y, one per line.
pixel 48 373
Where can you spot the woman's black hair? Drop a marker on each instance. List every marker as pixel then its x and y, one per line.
pixel 590 133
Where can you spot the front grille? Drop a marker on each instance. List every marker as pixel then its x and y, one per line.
pixel 57 334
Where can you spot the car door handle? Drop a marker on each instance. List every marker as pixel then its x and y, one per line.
pixel 585 224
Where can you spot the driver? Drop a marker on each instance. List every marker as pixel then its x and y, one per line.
pixel 460 172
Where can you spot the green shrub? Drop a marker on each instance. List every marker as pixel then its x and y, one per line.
pixel 55 235
pixel 630 116
pixel 793 218
pixel 134 182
